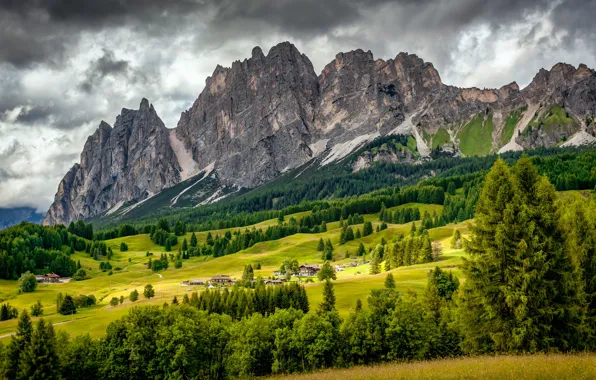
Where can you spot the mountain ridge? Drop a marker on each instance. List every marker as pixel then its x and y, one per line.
pixel 271 113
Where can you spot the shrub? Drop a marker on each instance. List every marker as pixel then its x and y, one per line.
pixel 123 247
pixel 80 275
pixel 67 306
pixel 27 282
pixel 37 309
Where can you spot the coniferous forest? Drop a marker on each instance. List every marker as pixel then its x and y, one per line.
pixel 528 286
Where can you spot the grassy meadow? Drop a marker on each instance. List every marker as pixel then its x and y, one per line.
pixel 130 272
pixel 577 367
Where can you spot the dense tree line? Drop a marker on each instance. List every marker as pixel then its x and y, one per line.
pixel 37 249
pixel 241 302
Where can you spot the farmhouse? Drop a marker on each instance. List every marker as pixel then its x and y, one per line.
pixel 274 282
pixel 309 269
pixel 48 278
pixel 222 279
pixel 196 282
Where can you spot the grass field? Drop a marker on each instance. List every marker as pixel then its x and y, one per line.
pixel 130 272
pixel 475 138
pixel 512 120
pixel 440 138
pixel 577 367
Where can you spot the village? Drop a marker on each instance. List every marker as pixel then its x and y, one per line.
pixel 305 271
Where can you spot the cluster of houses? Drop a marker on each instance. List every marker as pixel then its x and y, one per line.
pixel 305 270
pixel 49 278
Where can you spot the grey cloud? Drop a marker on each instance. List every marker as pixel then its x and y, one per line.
pixel 106 65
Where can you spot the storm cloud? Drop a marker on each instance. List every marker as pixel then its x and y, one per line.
pixel 65 65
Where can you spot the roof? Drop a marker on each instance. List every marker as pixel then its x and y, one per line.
pixel 311 266
pixel 221 277
pixel 52 275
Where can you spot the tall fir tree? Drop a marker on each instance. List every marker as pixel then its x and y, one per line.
pixel 18 346
pixel 522 291
pixel 40 359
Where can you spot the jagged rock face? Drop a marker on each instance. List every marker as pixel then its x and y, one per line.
pixel 272 113
pixel 254 120
pixel 130 161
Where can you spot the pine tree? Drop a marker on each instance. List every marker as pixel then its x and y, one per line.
pixel 456 239
pixel 40 359
pixel 321 246
pixel 193 240
pixel 367 229
pixel 427 251
pixel 328 303
pixel 522 291
pixel 18 346
pixel 175 301
pixel 184 245
pixel 149 292
pixel 134 296
pixel 168 246
pixel 68 306
pixel 361 251
pixel 390 281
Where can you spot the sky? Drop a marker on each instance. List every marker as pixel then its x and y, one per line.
pixel 65 65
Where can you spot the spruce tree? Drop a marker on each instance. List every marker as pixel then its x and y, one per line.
pixel 18 346
pixel 40 359
pixel 390 281
pixel 321 246
pixel 522 291
pixel 193 240
pixel 456 239
pixel 328 303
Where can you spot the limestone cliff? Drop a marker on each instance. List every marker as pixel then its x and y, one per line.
pixel 271 113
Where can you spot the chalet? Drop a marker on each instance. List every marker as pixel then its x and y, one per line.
pixel 196 282
pixel 221 279
pixel 48 278
pixel 309 269
pixel 274 282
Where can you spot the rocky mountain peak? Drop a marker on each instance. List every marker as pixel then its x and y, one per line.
pixel 130 161
pixel 268 114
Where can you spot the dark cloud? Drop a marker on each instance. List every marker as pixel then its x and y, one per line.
pixel 106 65
pixel 67 64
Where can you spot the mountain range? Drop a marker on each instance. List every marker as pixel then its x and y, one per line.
pixel 270 114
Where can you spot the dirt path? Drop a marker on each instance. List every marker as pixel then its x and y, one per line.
pixel 53 324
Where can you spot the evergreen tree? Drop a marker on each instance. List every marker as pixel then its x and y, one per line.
pixel 361 251
pixel 456 239
pixel 149 292
pixel 522 291
pixel 193 240
pixel 321 246
pixel 427 251
pixel 184 245
pixel 168 246
pixel 40 359
pixel 367 229
pixel 328 303
pixel 18 346
pixel 390 281
pixel 134 296
pixel 68 306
